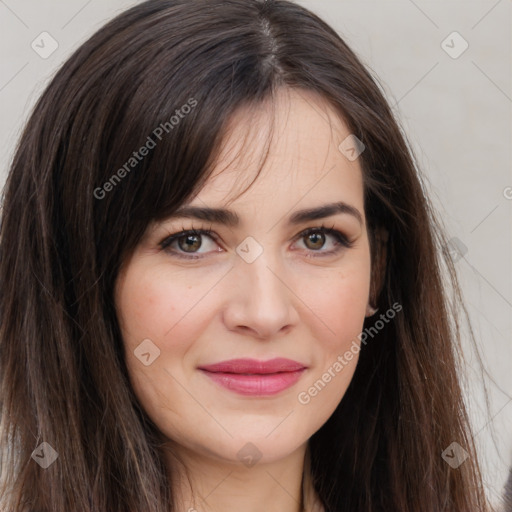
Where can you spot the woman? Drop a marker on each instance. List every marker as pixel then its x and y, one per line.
pixel 166 345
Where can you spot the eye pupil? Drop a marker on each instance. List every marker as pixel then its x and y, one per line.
pixel 320 237
pixel 190 240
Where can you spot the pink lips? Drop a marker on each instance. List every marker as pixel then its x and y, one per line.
pixel 256 378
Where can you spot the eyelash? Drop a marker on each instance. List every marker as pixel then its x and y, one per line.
pixel 341 240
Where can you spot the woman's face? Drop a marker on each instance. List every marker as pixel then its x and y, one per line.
pixel 257 289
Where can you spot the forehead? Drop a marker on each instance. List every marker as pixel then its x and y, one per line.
pixel 293 141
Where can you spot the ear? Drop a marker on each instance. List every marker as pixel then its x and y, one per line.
pixel 379 256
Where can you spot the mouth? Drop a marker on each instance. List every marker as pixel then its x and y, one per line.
pixel 255 378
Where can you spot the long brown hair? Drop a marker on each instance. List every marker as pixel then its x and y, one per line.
pixel 71 216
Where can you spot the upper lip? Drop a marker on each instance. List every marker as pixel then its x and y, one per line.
pixel 253 366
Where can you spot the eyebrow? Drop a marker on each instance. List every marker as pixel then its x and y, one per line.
pixel 230 218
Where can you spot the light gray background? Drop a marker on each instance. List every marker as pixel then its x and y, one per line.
pixel 455 111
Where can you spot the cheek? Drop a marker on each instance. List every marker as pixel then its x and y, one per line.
pixel 338 300
pixel 343 305
pixel 339 306
pixel 156 305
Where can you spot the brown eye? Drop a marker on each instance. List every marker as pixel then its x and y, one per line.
pixel 190 243
pixel 186 243
pixel 323 241
pixel 315 240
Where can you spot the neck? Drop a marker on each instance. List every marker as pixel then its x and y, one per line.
pixel 208 484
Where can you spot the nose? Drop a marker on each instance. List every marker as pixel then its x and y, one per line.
pixel 261 299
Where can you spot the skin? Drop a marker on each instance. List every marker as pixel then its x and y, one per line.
pixel 219 307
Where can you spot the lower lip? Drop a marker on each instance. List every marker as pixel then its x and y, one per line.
pixel 256 385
